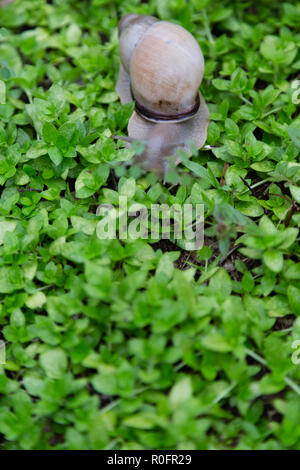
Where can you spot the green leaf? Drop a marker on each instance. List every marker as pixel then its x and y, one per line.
pixel 181 392
pixel 251 208
pixel 73 34
pixel 11 279
pixel 295 192
pixel 6 225
pixel 2 92
pixel 278 50
pixel 252 145
pixel 140 421
pixel 54 363
pixel 220 84
pixel 214 341
pixel 293 294
pixel 36 300
pixel 248 281
pixel 294 135
pixel 290 236
pixel 233 148
pixel 221 282
pixel 55 155
pixel 90 180
pixel 49 133
pixel 267 225
pixel 273 260
pixel 127 187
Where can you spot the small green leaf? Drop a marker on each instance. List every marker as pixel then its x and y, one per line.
pixel 90 180
pixel 293 294
pixel 49 133
pixel 273 260
pixel 214 341
pixel 55 155
pixel 295 192
pixel 73 34
pixel 127 187
pixel 36 300
pixel 294 135
pixel 221 84
pixel 6 226
pixel 2 92
pixel 54 363
pixel 181 392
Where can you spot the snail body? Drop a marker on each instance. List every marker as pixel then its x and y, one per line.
pixel 161 69
pixel 161 142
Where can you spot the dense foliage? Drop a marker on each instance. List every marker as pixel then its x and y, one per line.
pixel 130 344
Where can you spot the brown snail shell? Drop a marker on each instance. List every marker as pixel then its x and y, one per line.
pixel 161 69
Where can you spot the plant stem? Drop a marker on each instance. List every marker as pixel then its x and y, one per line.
pixel 245 100
pixel 207 27
pixel 262 361
pixel 271 111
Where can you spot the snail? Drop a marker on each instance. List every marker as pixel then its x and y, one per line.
pixel 161 70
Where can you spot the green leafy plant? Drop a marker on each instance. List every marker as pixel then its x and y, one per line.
pixel 140 344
